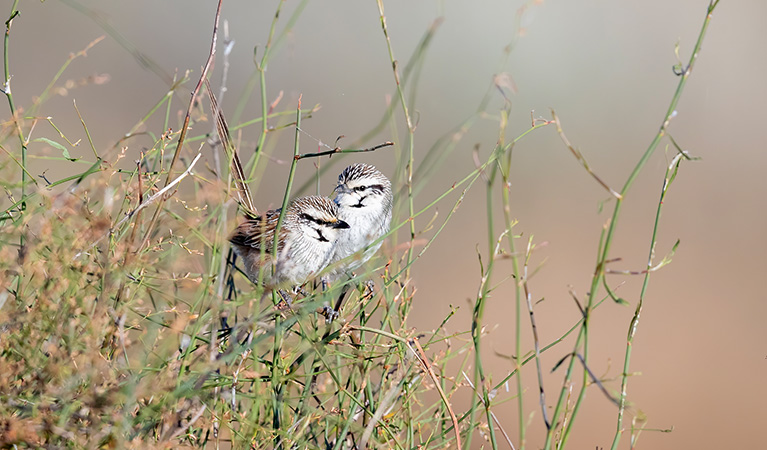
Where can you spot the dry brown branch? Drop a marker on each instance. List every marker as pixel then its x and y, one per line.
pixel 185 127
pixel 427 365
pixel 339 150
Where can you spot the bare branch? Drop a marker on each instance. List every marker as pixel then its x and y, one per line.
pixel 427 366
pixel 339 150
pixel 579 156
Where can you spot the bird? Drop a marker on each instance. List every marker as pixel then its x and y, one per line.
pixel 364 199
pixel 307 238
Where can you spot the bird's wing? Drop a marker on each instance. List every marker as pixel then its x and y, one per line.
pixel 257 231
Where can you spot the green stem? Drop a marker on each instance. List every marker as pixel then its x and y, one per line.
pixel 410 129
pixel 276 374
pixel 603 257
pixel 517 301
pixel 12 105
pixel 264 103
pixel 671 172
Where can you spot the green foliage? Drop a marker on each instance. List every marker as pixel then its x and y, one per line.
pixel 125 328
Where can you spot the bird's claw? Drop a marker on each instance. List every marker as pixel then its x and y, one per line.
pixel 329 313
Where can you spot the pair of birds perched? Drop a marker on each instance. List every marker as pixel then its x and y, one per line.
pixel 318 232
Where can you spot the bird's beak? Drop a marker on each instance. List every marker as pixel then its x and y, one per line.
pixel 340 224
pixel 342 189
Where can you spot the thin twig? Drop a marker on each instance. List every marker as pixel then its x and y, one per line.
pixel 609 232
pixel 191 422
pixel 671 172
pixel 185 127
pixel 159 193
pixel 421 355
pixel 137 215
pixel 492 414
pixel 223 224
pixel 6 85
pixel 24 169
pixel 261 67
pixel 666 260
pixel 577 303
pixel 87 133
pixel 579 156
pixel 410 128
pixel 228 45
pixel 596 380
pixel 536 341
pixel 339 150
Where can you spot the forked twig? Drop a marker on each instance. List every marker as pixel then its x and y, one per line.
pixel 596 380
pixel 593 377
pixel 339 150
pixel 666 260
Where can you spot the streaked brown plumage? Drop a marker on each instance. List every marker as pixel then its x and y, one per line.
pixel 306 241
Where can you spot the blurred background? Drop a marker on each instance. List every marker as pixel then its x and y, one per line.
pixel 700 353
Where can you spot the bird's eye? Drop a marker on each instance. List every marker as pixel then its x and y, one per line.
pixel 360 188
pixel 316 220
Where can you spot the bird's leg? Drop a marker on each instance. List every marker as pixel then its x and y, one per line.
pixel 332 313
pixel 369 289
pixel 225 328
pixel 300 290
pixel 286 302
pixel 329 313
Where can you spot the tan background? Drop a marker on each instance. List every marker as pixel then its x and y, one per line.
pixel 605 67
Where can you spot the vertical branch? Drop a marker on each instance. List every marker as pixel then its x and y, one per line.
pixel 671 172
pixel 506 192
pixel 599 270
pixel 12 106
pixel 14 115
pixel 479 171
pixel 476 335
pixel 185 126
pixel 228 45
pixel 276 375
pixel 410 129
pixel 291 175
pixel 536 342
pixel 223 225
pixel 493 250
pixel 261 67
